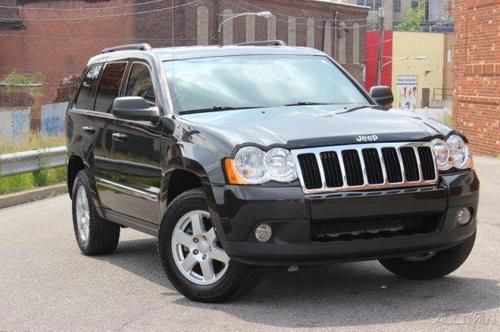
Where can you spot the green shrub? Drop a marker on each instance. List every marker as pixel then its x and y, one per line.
pixel 20 182
pixel 32 141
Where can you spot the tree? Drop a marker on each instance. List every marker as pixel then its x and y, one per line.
pixel 414 19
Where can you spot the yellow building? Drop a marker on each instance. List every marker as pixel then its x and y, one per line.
pixel 417 69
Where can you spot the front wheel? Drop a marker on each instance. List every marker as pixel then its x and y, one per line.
pixel 192 256
pixel 430 265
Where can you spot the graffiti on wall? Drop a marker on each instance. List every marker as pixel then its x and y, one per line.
pixel 53 115
pixel 14 121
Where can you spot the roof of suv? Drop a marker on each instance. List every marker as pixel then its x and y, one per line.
pixel 189 52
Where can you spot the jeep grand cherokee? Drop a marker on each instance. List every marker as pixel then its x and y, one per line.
pixel 241 156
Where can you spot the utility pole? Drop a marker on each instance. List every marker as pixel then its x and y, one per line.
pixel 215 35
pixel 380 53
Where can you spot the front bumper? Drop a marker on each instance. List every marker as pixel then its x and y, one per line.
pixel 238 210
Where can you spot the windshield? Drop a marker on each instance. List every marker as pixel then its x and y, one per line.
pixel 234 82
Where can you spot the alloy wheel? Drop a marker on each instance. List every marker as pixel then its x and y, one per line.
pixel 197 253
pixel 82 214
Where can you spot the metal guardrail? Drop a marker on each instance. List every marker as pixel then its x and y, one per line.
pixel 31 161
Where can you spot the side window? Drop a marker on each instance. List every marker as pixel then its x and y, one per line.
pixel 84 98
pixel 140 83
pixel 109 86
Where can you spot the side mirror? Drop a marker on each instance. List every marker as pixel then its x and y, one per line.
pixel 134 108
pixel 382 95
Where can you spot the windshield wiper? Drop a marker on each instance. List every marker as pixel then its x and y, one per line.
pixel 217 109
pixel 307 103
pixel 355 108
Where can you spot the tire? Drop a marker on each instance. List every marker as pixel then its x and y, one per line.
pixel 437 266
pixel 227 280
pixel 94 235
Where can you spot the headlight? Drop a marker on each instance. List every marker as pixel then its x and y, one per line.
pixel 459 151
pixel 454 153
pixel 251 165
pixel 442 154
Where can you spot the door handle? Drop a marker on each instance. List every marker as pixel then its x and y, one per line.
pixel 120 137
pixel 88 130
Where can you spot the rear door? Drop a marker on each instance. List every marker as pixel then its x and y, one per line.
pixel 137 153
pixel 83 127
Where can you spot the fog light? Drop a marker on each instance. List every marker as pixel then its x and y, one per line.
pixel 463 216
pixel 263 232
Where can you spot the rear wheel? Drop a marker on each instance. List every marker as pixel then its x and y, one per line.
pixel 94 235
pixel 193 258
pixel 430 265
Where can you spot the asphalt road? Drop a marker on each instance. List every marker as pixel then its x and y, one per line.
pixel 46 284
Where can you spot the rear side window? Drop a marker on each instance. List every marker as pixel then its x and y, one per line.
pixel 140 83
pixel 84 98
pixel 109 86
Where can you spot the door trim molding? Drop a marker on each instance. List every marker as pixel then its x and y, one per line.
pixel 127 190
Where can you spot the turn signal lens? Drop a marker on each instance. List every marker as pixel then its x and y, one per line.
pixel 232 173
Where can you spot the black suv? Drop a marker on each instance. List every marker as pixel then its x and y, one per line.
pixel 241 156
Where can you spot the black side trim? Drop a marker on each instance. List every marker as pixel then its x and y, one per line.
pixel 138 225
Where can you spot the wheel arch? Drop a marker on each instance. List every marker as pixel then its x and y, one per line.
pixel 75 165
pixel 185 174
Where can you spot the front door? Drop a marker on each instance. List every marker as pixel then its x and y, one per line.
pixel 136 153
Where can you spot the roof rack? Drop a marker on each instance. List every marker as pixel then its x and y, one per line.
pixel 263 43
pixel 138 47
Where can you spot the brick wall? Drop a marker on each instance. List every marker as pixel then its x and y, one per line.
pixel 58 42
pixel 51 38
pixel 477 73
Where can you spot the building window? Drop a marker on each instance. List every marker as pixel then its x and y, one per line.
pixel 355 43
pixel 396 6
pixel 373 4
pixel 342 43
pixel 414 4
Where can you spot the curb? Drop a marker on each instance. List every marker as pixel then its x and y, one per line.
pixel 32 195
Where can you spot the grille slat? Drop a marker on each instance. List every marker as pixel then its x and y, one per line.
pixel 354 172
pixel 332 170
pixel 310 171
pixel 410 164
pixel 365 166
pixel 427 162
pixel 392 165
pixel 373 166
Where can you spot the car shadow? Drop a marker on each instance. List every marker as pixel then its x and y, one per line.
pixel 334 295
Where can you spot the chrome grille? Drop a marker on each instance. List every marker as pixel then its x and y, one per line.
pixel 365 167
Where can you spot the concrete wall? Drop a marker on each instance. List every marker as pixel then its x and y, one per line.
pixel 14 121
pixel 429 73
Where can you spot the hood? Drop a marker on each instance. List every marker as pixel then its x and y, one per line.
pixel 307 126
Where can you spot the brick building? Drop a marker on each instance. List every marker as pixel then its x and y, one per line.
pixel 477 73
pixel 56 37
